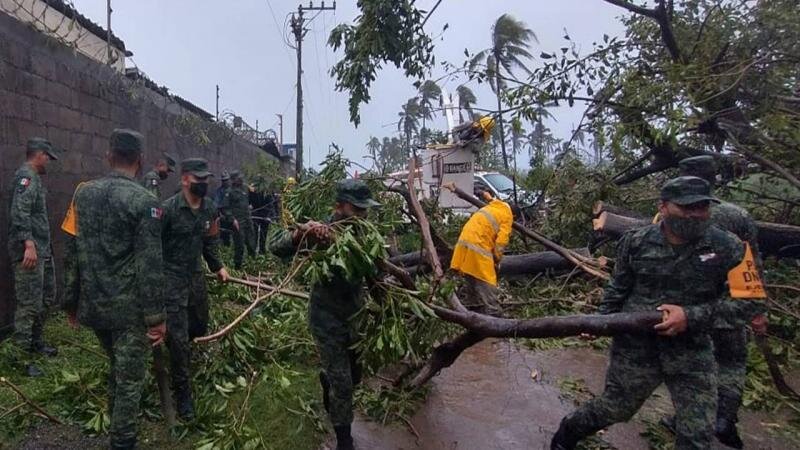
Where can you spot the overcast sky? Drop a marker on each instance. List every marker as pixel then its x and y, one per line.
pixel 190 46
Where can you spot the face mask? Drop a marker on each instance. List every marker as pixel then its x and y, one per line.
pixel 163 175
pixel 687 228
pixel 198 189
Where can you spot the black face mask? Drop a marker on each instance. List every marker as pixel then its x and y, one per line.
pixel 198 189
pixel 163 175
pixel 688 228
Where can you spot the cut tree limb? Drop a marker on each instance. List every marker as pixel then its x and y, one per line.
pixel 549 327
pixel 511 266
pixel 587 264
pixel 443 356
pixel 30 402
pixel 425 229
pixel 266 287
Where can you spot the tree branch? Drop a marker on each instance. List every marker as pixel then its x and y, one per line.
pixel 651 13
pixel 425 228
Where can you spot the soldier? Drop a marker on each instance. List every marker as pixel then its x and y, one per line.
pixel 235 210
pixel 332 305
pixel 114 276
pixel 30 252
pixel 478 252
pixel 190 232
pixel 219 196
pixel 152 180
pixel 729 336
pixel 678 266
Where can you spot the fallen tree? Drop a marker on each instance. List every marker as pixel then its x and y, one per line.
pixel 511 266
pixel 772 237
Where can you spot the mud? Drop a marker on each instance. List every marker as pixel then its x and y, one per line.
pixel 500 396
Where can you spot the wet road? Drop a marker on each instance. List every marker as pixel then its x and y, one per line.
pixel 500 396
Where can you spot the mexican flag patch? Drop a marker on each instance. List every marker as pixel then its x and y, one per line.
pixel 24 182
pixel 155 213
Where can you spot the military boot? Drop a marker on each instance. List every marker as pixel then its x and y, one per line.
pixel 326 386
pixel 33 371
pixel 45 349
pixel 727 416
pixel 126 444
pixel 184 404
pixel 344 441
pixel 564 439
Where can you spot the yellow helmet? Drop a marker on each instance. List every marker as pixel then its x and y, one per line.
pixel 291 181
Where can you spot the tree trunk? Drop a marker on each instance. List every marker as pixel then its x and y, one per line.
pixel 511 266
pixel 500 115
pixel 772 237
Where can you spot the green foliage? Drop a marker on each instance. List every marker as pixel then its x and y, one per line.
pixel 385 31
pixel 356 246
pixel 314 197
pixel 264 174
pixel 719 85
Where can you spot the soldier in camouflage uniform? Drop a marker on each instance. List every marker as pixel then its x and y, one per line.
pixel 189 234
pixel 30 252
pixel 235 209
pixel 114 277
pixel 219 196
pixel 152 180
pixel 729 334
pixel 678 266
pixel 332 305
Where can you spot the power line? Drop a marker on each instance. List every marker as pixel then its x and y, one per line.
pixel 278 29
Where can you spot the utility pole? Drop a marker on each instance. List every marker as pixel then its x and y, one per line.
pixel 217 103
pixel 280 135
pixel 297 24
pixel 108 34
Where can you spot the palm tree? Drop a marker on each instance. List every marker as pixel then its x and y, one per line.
pixel 373 147
pixel 510 43
pixel 429 92
pixel 409 115
pixel 466 98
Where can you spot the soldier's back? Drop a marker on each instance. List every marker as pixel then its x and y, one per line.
pixel 110 213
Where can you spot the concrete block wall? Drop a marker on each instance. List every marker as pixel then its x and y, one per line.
pixel 49 90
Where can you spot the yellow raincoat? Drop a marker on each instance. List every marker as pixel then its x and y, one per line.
pixel 482 241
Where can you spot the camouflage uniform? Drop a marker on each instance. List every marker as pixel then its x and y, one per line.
pixel 187 236
pixel 114 278
pixel 332 305
pixel 236 205
pixel 152 181
pixel 729 333
pixel 649 272
pixel 35 289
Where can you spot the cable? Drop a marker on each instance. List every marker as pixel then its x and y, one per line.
pixel 278 29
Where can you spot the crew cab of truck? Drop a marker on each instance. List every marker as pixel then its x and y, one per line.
pixel 502 187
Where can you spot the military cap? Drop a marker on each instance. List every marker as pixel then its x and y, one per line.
pixel 699 166
pixel 126 141
pixel 195 166
pixel 686 190
pixel 355 192
pixel 235 175
pixel 44 145
pixel 225 175
pixel 170 162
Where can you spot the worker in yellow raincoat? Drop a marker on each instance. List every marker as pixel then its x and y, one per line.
pixel 478 252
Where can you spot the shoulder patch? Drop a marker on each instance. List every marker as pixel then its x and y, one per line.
pixel 156 213
pixel 154 182
pixel 24 181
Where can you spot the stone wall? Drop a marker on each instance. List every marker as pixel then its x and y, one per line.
pixel 49 90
